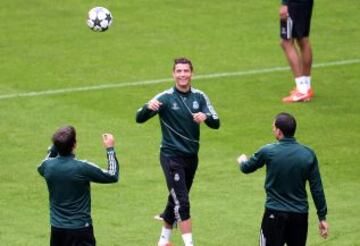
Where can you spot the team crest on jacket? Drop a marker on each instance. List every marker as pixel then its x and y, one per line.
pixel 195 105
pixel 175 106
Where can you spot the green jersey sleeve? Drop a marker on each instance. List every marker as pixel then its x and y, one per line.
pixel 95 174
pixel 317 191
pixel 212 119
pixel 256 161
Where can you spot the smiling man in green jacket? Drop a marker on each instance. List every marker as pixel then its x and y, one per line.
pixel 181 110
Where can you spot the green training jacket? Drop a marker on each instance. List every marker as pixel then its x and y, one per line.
pixel 68 181
pixel 289 165
pixel 180 133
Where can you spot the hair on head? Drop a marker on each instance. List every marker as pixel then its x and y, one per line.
pixel 286 123
pixel 183 60
pixel 64 140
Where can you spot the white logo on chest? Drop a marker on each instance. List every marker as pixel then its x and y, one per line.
pixel 175 106
pixel 195 105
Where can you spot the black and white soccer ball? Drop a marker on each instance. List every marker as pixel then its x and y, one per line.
pixel 99 19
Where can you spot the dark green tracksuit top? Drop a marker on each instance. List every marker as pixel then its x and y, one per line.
pixel 180 133
pixel 289 165
pixel 68 181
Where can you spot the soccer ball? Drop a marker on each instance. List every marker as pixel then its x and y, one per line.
pixel 99 19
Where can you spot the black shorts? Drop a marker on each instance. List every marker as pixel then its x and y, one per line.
pixel 72 237
pixel 300 14
pixel 278 228
pixel 179 173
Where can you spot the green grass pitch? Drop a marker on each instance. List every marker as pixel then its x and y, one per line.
pixel 45 46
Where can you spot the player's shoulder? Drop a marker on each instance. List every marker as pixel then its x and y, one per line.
pixel 197 91
pixel 165 93
pixel 42 165
pixel 49 164
pixel 49 161
pixel 199 94
pixel 307 149
pixel 86 164
pixel 268 147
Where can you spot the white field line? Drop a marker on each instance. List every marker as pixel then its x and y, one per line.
pixel 157 81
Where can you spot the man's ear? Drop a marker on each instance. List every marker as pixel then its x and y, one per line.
pixel 279 133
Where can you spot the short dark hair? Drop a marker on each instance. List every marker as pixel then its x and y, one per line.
pixel 183 60
pixel 286 123
pixel 64 140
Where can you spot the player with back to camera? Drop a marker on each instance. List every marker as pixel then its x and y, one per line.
pixel 68 181
pixel 295 18
pixel 289 165
pixel 181 110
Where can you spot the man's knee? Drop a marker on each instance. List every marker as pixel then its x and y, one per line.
pixel 184 211
pixel 286 44
pixel 304 43
pixel 179 212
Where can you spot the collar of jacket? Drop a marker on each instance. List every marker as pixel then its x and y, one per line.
pixel 287 140
pixel 181 92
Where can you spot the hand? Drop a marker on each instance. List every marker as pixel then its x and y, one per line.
pixel 283 12
pixel 199 117
pixel 324 229
pixel 108 140
pixel 154 105
pixel 242 158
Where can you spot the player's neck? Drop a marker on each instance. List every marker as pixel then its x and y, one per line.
pixel 183 89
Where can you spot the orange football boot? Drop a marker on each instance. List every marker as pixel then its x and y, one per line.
pixel 295 90
pixel 297 96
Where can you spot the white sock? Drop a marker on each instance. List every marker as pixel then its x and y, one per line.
pixel 187 237
pixel 165 236
pixel 301 84
pixel 308 81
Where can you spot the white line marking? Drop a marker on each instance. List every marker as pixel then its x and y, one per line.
pixel 158 81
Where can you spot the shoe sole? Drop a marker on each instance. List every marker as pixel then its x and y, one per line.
pixel 304 100
pixel 158 218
